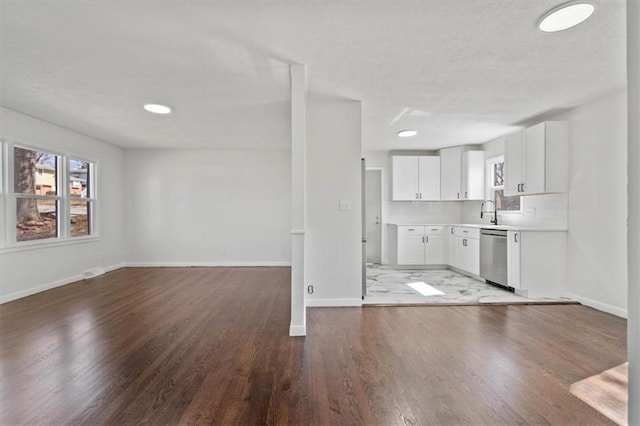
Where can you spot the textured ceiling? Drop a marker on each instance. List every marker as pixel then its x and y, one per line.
pixel 458 71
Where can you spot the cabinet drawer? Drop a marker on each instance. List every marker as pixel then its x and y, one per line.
pixel 434 230
pixel 410 230
pixel 467 232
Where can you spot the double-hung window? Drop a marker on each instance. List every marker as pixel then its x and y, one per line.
pixel 495 172
pixel 51 196
pixel 81 197
pixel 36 178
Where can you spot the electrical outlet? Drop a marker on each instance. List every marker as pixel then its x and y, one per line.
pixel 310 289
pixel 344 205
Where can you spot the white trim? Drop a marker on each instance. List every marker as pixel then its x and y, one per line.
pixel 326 303
pixel 610 309
pixel 59 283
pixel 297 330
pixel 48 243
pixel 210 264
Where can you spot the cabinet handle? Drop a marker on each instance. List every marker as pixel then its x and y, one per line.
pixel 416 195
pixel 458 195
pixel 421 195
pixel 423 238
pixel 427 237
pixel 466 194
pixel 523 187
pixel 434 229
pixel 451 229
pixel 411 229
pixel 515 237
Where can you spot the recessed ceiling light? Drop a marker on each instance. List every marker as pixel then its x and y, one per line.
pixel 565 16
pixel 157 108
pixel 407 133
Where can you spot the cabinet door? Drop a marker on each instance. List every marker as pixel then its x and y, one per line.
pixel 513 163
pixel 473 175
pixel 411 250
pixel 473 256
pixel 434 249
pixel 513 259
pixel 429 178
pixel 534 155
pixel 460 253
pixel 450 173
pixel 451 246
pixel 405 178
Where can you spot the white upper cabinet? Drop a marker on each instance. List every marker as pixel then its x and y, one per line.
pixel 513 163
pixel 536 160
pixel 473 175
pixel 462 176
pixel 450 182
pixel 415 178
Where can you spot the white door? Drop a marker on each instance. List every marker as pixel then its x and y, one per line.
pixel 460 253
pixel 473 171
pixel 473 256
pixel 513 257
pixel 513 163
pixel 373 215
pixel 405 178
pixel 450 173
pixel 534 154
pixel 411 250
pixel 429 178
pixel 434 249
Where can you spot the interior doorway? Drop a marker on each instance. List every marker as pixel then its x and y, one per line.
pixel 373 215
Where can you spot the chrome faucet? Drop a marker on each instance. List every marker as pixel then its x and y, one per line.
pixel 495 211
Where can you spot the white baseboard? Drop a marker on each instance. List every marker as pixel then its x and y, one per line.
pixel 297 330
pixel 613 310
pixel 58 283
pixel 115 267
pixel 328 303
pixel 205 264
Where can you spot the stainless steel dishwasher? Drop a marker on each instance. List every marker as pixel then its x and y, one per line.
pixel 493 255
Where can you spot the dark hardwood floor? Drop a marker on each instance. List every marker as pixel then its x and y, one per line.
pixel 210 345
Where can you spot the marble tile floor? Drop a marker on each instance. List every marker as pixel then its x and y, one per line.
pixel 386 285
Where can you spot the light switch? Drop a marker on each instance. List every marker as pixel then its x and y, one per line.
pixel 344 205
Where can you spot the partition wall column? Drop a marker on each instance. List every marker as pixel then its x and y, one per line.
pixel 633 234
pixel 298 198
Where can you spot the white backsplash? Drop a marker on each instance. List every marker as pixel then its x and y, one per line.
pixel 547 210
pixel 424 212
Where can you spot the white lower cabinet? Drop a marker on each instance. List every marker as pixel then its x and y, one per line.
pixel 464 249
pixel 417 245
pixel 537 263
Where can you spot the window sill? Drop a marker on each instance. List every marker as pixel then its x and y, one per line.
pixel 39 245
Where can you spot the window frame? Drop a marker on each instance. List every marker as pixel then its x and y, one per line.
pixel 90 200
pixel 490 189
pixel 9 198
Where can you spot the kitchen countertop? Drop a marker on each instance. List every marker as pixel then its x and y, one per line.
pixel 489 226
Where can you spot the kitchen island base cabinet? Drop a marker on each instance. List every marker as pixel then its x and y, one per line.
pixel 417 245
pixel 537 263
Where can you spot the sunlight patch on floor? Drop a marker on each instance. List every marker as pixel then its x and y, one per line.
pixel 425 289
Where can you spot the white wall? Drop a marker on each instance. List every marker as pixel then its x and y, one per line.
pixel 598 203
pixel 29 271
pixel 333 239
pixel 208 207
